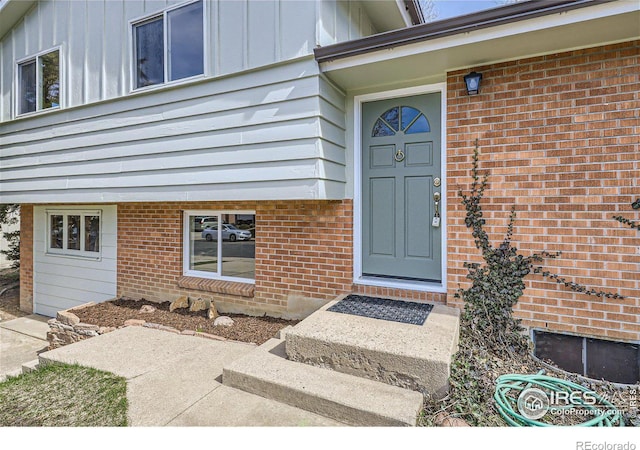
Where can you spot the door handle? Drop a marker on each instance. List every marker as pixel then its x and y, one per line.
pixel 436 218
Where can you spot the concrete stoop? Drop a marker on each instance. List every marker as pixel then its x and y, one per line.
pixel 404 355
pixel 356 370
pixel 345 398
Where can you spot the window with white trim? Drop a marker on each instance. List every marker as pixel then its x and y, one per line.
pixel 169 46
pixel 220 245
pixel 38 82
pixel 74 233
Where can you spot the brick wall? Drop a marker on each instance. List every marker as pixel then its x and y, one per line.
pixel 303 252
pixel 559 135
pixel 26 258
pixel 400 294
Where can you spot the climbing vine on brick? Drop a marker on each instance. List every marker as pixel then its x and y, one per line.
pixel 498 283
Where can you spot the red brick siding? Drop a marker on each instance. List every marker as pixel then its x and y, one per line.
pixel 26 258
pixel 400 294
pixel 303 249
pixel 559 135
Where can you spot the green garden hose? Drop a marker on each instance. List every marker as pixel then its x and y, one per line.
pixel 522 399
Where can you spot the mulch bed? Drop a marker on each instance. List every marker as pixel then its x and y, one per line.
pixel 245 328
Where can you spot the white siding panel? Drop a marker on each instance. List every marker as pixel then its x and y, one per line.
pixel 207 143
pixel 6 79
pixel 153 6
pixel 60 17
pixel 195 100
pixel 343 20
pixel 327 24
pixel 94 51
pixel 61 282
pixel 113 68
pixel 49 276
pixel 193 157
pixel 229 32
pixel 298 28
pixel 96 40
pixel 76 44
pixel 262 33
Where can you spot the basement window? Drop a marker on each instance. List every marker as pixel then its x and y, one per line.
pixel 74 233
pixel 220 245
pixel 594 358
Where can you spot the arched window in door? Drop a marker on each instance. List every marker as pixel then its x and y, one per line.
pixel 400 119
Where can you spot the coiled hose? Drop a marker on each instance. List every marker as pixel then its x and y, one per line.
pixel 509 397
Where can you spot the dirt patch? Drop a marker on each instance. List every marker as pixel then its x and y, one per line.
pixel 10 295
pixel 245 328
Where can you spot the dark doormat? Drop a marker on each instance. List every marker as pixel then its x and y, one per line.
pixel 383 308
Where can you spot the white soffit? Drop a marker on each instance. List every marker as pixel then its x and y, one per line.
pixel 11 11
pixel 581 28
pixel 387 15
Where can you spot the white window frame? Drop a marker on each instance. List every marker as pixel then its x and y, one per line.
pixel 16 84
pixel 165 24
pixel 65 213
pixel 186 240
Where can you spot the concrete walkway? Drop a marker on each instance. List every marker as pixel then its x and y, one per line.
pixel 20 340
pixel 176 380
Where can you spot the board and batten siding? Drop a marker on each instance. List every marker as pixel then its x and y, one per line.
pixel 62 282
pixel 95 39
pixel 273 134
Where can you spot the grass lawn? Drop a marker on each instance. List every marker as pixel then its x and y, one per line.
pixel 61 395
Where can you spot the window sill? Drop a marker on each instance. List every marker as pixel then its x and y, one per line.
pixel 217 286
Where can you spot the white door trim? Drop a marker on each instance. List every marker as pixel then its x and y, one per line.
pixel 358 101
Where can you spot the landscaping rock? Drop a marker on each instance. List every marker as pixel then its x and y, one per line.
pixel 134 323
pixel 443 419
pixel 103 330
pixel 179 303
pixel 223 321
pixel 212 314
pixel 198 305
pixel 147 309
pixel 86 327
pixel 67 318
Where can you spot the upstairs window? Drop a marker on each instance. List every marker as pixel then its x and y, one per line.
pixel 169 46
pixel 39 82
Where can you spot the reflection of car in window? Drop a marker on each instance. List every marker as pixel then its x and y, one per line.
pixel 202 222
pixel 229 233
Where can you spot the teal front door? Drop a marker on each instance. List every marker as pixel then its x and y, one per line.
pixel 400 175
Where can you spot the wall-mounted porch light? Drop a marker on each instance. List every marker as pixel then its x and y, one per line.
pixel 473 82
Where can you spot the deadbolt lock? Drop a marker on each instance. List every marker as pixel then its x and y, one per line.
pixel 436 182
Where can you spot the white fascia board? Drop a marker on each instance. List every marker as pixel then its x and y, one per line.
pixel 486 34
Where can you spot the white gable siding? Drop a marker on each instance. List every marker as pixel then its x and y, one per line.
pixel 95 39
pixel 277 133
pixel 62 282
pixel 343 21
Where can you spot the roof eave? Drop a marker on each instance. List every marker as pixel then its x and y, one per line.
pixel 462 24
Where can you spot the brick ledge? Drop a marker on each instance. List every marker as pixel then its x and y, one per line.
pixel 217 286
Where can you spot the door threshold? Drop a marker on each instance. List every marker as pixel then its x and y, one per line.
pixel 395 283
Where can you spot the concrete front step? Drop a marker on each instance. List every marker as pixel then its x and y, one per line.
pixel 405 355
pixel 344 398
